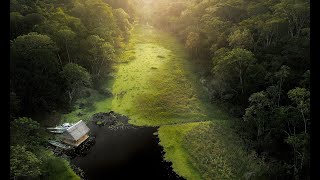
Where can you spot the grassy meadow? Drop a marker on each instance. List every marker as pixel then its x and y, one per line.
pixel 157 86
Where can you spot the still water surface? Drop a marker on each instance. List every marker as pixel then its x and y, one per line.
pixel 125 154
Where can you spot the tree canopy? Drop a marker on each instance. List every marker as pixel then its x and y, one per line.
pixel 253 56
pixel 256 57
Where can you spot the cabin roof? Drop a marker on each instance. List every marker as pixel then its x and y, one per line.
pixel 78 130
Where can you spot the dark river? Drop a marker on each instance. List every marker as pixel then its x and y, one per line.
pixel 125 154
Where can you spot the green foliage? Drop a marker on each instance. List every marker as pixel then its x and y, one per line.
pixel 301 99
pixel 57 49
pixel 65 37
pixel 127 5
pixel 192 42
pixel 14 105
pixel 100 54
pixel 259 52
pixel 30 45
pixel 23 163
pixel 234 64
pixel 290 122
pixel 33 71
pixel 259 112
pixel 241 39
pixel 25 131
pixel 54 167
pixel 76 78
pixel 221 155
pixel 87 106
pixel 297 141
pixel 305 82
pixel 300 96
pixel 301 152
pixel 297 13
pixel 209 150
pixel 29 159
pixel 122 19
pixel 81 32
pixel 16 20
pixel 172 139
pixel 26 125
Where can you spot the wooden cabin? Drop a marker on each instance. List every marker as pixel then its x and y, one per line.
pixel 76 134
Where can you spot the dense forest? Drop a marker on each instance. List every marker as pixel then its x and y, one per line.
pixel 78 39
pixel 253 56
pixel 57 49
pixel 259 56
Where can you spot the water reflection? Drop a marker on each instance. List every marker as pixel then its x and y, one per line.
pixel 131 153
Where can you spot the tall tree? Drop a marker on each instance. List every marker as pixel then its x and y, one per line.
pixel 23 163
pixel 192 43
pixel 34 68
pixel 237 60
pixel 76 78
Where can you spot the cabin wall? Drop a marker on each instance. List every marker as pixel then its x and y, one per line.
pixel 74 142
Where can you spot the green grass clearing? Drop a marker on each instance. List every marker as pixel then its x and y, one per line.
pixel 158 87
pixel 218 153
pixel 171 138
pixel 209 150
